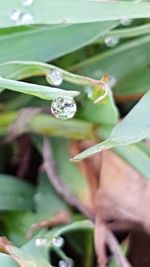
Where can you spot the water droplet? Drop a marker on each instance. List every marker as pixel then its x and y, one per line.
pixel 58 241
pixel 111 41
pixel 40 242
pixel 15 15
pixel 112 81
pixel 89 91
pixel 21 18
pixel 67 263
pixel 25 19
pixel 27 2
pixel 54 77
pixel 125 21
pixel 63 107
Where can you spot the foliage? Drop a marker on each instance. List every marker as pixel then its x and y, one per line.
pixel 69 36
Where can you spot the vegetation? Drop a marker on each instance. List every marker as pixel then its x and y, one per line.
pixel 74 129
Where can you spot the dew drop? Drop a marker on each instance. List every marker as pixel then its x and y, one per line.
pixel 21 18
pixel 63 107
pixel 27 2
pixel 111 41
pixel 67 263
pixel 89 91
pixel 54 77
pixel 40 242
pixel 125 21
pixel 58 241
pixel 15 15
pixel 26 18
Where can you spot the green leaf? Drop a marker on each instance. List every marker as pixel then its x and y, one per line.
pixel 66 11
pixel 68 172
pixel 133 128
pixel 24 42
pixel 41 91
pixel 46 194
pixel 103 113
pixel 130 32
pixel 15 194
pixel 121 63
pixel 47 125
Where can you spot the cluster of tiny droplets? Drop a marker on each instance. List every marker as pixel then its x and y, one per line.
pixel 54 77
pixel 20 17
pixel 63 107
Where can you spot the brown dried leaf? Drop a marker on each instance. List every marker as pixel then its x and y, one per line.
pixel 124 194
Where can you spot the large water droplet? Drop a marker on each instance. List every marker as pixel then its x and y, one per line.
pixel 21 18
pixel 40 242
pixel 58 241
pixel 111 41
pixel 67 263
pixel 125 21
pixel 54 77
pixel 63 107
pixel 27 2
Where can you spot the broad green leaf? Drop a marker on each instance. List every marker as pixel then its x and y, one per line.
pixel 24 42
pixel 41 91
pixel 133 128
pixel 69 12
pixel 15 194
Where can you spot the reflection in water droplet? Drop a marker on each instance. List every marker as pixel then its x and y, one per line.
pixel 67 263
pixel 58 241
pixel 63 107
pixel 21 18
pixel 27 2
pixel 111 41
pixel 54 77
pixel 125 21
pixel 40 242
